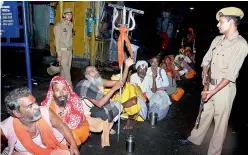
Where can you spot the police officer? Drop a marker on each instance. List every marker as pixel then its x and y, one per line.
pixel 63 43
pixel 225 58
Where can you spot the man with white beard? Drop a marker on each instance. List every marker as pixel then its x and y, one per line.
pixel 92 90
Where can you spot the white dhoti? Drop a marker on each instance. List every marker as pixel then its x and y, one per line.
pixel 160 103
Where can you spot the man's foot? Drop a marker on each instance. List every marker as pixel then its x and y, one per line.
pixel 128 125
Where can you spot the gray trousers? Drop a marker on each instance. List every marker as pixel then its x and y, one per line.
pixel 66 66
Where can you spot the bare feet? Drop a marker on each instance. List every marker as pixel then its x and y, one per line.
pixel 128 125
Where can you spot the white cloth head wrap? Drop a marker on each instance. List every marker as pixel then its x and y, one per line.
pixel 141 63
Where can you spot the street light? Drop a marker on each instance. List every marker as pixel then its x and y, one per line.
pixel 191 8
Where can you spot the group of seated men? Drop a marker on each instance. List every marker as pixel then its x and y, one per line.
pixel 66 117
pixel 181 65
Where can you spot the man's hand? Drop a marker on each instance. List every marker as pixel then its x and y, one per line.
pixel 74 150
pixel 206 95
pixel 154 73
pixel 129 62
pixel 59 58
pixel 118 85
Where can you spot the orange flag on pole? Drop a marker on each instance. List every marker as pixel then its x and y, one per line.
pixel 123 36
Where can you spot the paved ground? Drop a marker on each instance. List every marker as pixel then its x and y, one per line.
pixel 163 139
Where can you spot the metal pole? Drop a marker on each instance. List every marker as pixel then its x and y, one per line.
pixel 121 72
pixel 93 38
pixel 61 5
pixel 24 11
pixel 112 35
pixel 120 99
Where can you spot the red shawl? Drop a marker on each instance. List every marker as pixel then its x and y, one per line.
pixel 74 113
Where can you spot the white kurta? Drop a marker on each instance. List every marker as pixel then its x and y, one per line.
pixel 145 85
pixel 159 102
pixel 186 59
pixel 161 79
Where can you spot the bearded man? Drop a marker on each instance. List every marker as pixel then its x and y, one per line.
pixel 32 129
pixel 91 90
pixel 67 105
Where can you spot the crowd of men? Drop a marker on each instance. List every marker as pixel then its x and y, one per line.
pixel 67 116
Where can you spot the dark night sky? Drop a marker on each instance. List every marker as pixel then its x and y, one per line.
pixel 202 19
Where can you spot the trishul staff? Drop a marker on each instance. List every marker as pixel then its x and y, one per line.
pixel 123 37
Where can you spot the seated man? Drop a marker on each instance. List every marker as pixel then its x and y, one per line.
pixel 167 65
pixel 172 90
pixel 190 55
pixel 159 101
pixel 32 129
pixel 67 105
pixel 182 64
pixel 161 78
pixel 91 90
pixel 132 101
pixel 175 74
pixel 162 84
pixel 178 63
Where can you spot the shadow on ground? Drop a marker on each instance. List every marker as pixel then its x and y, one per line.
pixel 163 139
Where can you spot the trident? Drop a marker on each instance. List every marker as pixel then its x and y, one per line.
pixel 130 16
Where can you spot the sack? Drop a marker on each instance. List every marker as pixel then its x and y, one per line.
pixel 190 74
pixel 107 112
pixel 176 96
pixel 172 88
pixel 169 74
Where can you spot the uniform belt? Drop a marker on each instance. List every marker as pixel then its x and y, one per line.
pixel 213 81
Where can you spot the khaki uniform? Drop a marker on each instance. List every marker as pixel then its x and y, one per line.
pixel 226 58
pixel 63 43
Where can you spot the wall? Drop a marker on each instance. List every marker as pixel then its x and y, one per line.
pixel 79 21
pixel 41 26
pixel 38 25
